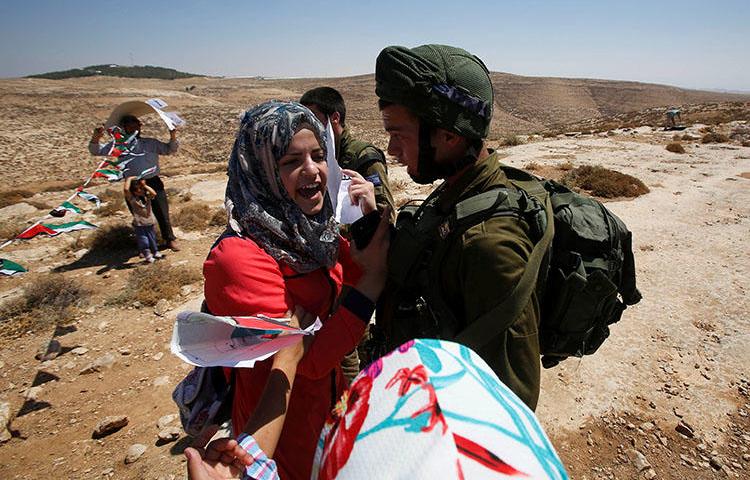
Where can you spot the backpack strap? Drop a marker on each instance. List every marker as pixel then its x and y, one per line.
pixel 482 330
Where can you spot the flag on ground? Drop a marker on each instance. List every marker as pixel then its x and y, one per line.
pixel 54 229
pixel 90 197
pixel 64 208
pixel 10 268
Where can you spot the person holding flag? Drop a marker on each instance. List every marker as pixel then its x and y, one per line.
pixel 143 156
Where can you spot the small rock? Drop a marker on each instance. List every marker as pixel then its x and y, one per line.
pixel 90 310
pixel 108 472
pixel 5 434
pixel 32 393
pixel 701 447
pixel 109 425
pixel 677 412
pixel 48 350
pixel 639 460
pixel 186 290
pixel 135 452
pixel 162 307
pixel 166 421
pixel 652 405
pixel 124 351
pixel 684 428
pixel 716 463
pixel 688 461
pixel 746 457
pixel 137 304
pixel 79 351
pixel 170 434
pixel 650 474
pixel 647 426
pixel 158 356
pixel 105 361
pixel 102 326
pixel 161 381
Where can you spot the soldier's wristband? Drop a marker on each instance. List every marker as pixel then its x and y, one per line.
pixel 357 303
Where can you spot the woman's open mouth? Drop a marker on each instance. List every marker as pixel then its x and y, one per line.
pixel 309 191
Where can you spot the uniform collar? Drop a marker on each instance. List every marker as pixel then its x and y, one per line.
pixel 343 142
pixel 476 178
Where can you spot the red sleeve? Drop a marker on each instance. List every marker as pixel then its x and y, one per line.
pixel 242 279
pixel 352 271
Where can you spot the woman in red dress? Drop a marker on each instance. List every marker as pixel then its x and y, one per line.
pixel 282 250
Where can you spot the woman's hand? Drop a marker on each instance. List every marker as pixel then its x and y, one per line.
pixel 221 459
pixel 97 134
pixel 373 259
pixel 361 191
pixel 291 355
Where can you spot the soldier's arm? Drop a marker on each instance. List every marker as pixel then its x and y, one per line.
pixel 374 169
pixel 486 264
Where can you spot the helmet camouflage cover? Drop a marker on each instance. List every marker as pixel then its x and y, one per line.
pixel 445 86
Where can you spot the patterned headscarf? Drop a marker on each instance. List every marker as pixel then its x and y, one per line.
pixel 256 200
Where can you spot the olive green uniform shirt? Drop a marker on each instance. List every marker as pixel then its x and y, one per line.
pixel 369 161
pixel 477 272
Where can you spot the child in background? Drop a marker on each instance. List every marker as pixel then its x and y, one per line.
pixel 139 195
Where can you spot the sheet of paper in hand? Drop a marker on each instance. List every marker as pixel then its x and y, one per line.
pixel 138 108
pixel 210 341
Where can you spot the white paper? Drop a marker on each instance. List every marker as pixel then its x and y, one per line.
pixel 346 213
pixel 334 170
pixel 206 340
pixel 157 103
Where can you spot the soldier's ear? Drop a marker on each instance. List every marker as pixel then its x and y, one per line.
pixel 335 119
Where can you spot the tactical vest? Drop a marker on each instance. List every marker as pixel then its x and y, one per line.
pixel 577 278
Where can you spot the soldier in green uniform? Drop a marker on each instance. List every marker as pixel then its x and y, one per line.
pixel 436 104
pixel 365 158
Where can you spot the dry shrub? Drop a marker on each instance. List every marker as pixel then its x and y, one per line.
pixel 112 237
pixel 532 166
pixel 9 197
pixel 193 216
pixel 566 166
pixel 713 137
pixel 219 218
pixel 511 141
pixel 113 201
pixel 675 147
pixel 604 183
pixel 148 284
pixel 50 300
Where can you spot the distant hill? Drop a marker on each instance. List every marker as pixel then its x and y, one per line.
pixel 136 71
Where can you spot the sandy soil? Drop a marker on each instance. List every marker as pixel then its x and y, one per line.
pixel 681 355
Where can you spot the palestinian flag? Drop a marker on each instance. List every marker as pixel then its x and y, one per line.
pixel 64 208
pixel 10 268
pixel 54 229
pixel 90 197
pixel 121 144
pixel 112 174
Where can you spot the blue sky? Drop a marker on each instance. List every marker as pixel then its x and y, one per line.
pixel 695 44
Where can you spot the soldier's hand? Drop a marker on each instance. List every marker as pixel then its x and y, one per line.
pixel 361 192
pixel 373 259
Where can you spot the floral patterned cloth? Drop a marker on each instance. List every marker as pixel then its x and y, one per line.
pixel 433 409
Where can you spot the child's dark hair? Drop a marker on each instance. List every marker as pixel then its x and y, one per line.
pixel 135 184
pixel 327 99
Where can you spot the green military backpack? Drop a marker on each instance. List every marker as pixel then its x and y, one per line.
pixel 582 265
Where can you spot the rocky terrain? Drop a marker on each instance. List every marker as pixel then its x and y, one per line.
pixel 85 390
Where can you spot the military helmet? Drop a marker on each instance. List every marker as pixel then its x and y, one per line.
pixel 445 86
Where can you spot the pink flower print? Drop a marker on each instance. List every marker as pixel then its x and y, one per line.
pixel 407 378
pixel 346 426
